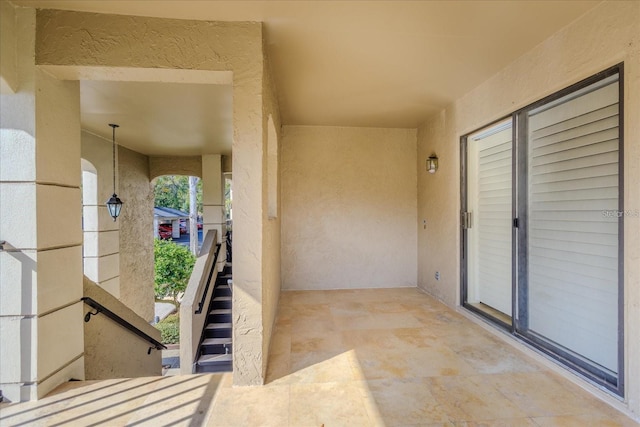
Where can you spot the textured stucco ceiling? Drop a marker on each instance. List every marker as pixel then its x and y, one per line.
pixel 359 63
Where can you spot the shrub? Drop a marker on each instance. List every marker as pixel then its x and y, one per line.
pixel 173 266
pixel 169 329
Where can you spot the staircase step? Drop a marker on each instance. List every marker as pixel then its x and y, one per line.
pixel 222 291
pixel 217 341
pixel 217 330
pixel 218 326
pixel 221 302
pixel 221 315
pixel 215 363
pixel 214 358
pixel 221 283
pixel 216 346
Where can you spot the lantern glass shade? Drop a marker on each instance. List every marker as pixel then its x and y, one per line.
pixel 114 205
pixel 432 164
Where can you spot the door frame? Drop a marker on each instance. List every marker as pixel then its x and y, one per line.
pixel 464 247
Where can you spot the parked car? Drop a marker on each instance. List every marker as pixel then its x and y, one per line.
pixel 165 231
pixel 183 226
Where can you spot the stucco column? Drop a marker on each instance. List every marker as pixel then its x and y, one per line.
pixel 213 201
pixel 76 39
pixel 249 360
pixel 41 327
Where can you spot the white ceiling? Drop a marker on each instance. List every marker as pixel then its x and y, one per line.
pixel 338 63
pixel 160 118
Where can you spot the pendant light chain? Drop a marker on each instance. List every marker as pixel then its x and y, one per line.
pixel 114 204
pixel 114 126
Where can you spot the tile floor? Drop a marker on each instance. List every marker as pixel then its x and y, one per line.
pixel 345 358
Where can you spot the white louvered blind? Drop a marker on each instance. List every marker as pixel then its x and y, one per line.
pixel 491 206
pixel 572 237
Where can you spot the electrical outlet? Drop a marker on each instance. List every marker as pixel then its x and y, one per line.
pixel 437 275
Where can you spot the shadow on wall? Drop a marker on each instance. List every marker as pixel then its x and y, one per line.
pixel 27 267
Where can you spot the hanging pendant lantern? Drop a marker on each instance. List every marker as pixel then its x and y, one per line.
pixel 114 204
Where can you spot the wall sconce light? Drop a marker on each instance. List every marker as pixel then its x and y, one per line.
pixel 432 163
pixel 114 204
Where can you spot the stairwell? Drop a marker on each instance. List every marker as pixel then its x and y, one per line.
pixel 216 347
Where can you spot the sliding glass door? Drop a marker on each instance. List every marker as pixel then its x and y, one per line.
pixel 572 243
pixel 542 227
pixel 487 221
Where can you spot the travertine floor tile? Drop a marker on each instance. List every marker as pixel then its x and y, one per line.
pixel 394 321
pixel 377 357
pixel 407 401
pixel 349 308
pixel 470 399
pixel 313 342
pixel 321 367
pixel 412 363
pixel 307 325
pixel 251 406
pixel 586 420
pixel 309 297
pixel 331 404
pixel 181 404
pixel 487 354
pixel 542 394
pixel 510 422
pixel 372 340
pixel 281 341
pixel 415 337
pixel 279 368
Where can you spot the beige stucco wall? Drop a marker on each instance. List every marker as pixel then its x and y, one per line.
pixel 136 233
pixel 348 207
pixel 101 243
pixel 8 46
pixel 175 165
pixel 75 41
pixel 271 246
pixel 605 36
pixel 112 351
pixel 118 255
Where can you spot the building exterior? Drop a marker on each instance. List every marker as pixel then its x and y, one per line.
pixel 315 207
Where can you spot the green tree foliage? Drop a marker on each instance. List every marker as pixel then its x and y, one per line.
pixel 169 329
pixel 173 266
pixel 172 191
pixel 227 198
